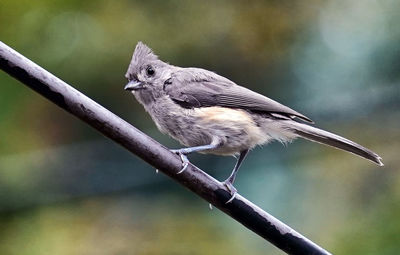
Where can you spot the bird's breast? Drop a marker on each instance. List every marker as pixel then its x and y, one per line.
pixel 234 128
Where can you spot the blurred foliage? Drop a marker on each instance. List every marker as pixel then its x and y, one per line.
pixel 64 189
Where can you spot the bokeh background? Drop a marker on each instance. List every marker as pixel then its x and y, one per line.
pixel 65 189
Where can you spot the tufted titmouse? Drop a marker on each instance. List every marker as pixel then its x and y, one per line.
pixel 211 114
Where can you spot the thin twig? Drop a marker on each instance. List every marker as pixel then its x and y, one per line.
pixel 110 125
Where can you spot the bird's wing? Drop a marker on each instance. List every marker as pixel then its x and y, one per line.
pixel 201 88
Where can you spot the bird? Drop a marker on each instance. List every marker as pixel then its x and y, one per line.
pixel 210 114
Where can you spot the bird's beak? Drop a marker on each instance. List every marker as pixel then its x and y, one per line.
pixel 134 85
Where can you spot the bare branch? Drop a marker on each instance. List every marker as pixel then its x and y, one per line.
pixel 110 125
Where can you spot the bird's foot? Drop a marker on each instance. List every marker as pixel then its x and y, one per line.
pixel 228 184
pixel 185 161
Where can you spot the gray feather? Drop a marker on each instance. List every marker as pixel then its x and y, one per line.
pixel 209 89
pixel 325 137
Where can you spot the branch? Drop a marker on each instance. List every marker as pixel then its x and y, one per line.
pixel 118 130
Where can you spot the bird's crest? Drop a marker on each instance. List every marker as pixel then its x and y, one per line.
pixel 142 55
pixel 143 52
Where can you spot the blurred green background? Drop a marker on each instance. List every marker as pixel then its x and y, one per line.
pixel 65 189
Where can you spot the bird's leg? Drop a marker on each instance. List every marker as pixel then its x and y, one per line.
pixel 231 179
pixel 185 151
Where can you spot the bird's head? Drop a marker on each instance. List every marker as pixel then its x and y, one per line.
pixel 146 75
pixel 145 72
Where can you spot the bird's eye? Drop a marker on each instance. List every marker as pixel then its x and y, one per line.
pixel 150 71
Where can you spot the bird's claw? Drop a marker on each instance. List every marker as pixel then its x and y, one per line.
pixel 184 158
pixel 231 189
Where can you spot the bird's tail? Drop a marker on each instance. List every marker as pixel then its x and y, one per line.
pixel 325 137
